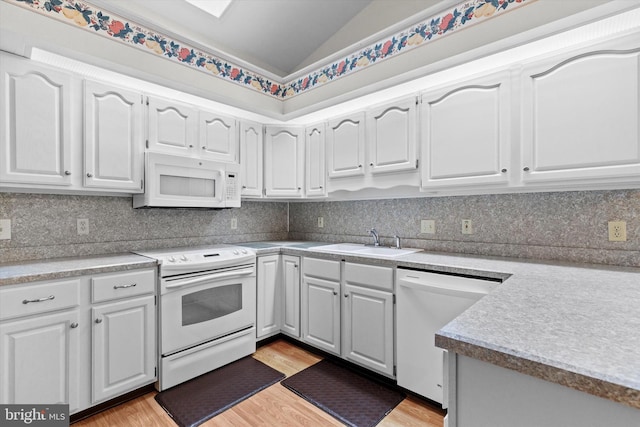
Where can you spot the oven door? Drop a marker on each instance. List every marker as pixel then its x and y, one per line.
pixel 202 307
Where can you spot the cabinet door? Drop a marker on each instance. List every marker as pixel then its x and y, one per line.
pixel 39 360
pixel 35 119
pixel 345 146
pixel 268 294
pixel 113 137
pixel 368 328
pixel 218 137
pixel 173 127
pixel 320 313
pixel 251 159
pixel 392 137
pixel 315 185
pixel 581 118
pixel 283 162
pixel 466 134
pixel 291 295
pixel 124 350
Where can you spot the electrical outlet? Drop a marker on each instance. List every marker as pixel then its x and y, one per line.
pixel 83 226
pixel 320 222
pixel 427 226
pixel 467 227
pixel 234 223
pixel 5 229
pixel 617 231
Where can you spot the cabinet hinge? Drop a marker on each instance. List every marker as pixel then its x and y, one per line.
pixel 155 300
pixel 142 184
pixel 147 100
pixel 147 143
pixel 394 298
pixel 417 100
pixel 155 371
pixel 417 162
pixel 394 370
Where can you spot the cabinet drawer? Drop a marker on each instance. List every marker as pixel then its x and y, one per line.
pixel 322 268
pixel 122 285
pixel 371 276
pixel 25 300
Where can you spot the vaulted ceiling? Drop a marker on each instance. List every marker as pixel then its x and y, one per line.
pixel 286 58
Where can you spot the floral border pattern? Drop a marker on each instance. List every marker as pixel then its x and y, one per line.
pixel 87 16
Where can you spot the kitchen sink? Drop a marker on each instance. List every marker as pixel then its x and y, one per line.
pixel 359 249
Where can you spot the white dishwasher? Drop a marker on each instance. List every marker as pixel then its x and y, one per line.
pixel 427 301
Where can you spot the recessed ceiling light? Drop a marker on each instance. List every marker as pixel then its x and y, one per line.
pixel 212 7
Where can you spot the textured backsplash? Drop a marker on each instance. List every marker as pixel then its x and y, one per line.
pixel 566 226
pixel 44 226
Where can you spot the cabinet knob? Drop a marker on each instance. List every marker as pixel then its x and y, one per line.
pixel 295 265
pixel 204 148
pixel 73 325
pixel 335 293
pixel 526 169
pixel 503 171
pixel 244 187
pixel 321 187
pixel 89 175
pixel 299 188
pixel 359 166
pixel 346 295
pixel 98 320
pixel 371 164
pixel 67 173
pixel 190 145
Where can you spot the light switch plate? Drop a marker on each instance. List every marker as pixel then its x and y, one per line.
pixel 5 229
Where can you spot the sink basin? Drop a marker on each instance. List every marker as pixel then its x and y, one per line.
pixel 339 247
pixel 387 252
pixel 359 249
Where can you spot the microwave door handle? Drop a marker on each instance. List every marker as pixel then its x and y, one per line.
pixel 210 277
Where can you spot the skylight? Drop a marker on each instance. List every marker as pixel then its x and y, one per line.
pixel 212 7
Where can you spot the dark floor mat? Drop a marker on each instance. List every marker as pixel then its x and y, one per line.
pixel 197 400
pixel 353 399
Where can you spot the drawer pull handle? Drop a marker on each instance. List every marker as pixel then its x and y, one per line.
pixel 74 325
pixel 124 286
pixel 27 301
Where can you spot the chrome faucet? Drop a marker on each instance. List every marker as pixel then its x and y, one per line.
pixel 376 238
pixel 397 238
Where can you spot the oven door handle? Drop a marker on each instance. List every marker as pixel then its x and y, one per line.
pixel 210 277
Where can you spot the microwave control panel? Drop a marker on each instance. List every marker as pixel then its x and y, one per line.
pixel 232 186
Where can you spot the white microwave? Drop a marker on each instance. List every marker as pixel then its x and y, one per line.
pixel 187 182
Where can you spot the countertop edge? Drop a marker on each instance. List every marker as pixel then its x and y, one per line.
pixel 587 384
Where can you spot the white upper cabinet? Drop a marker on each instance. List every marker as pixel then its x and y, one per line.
pixel 392 137
pixel 35 123
pixel 346 145
pixel 315 185
pixel 113 137
pixel 283 161
pixel 218 137
pixel 251 136
pixel 465 137
pixel 173 127
pixel 580 118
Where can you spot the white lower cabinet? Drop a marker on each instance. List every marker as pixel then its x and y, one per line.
pixel 320 305
pixel 361 327
pixel 291 295
pixel 278 302
pixel 268 319
pixel 39 360
pixel 367 316
pixel 123 346
pixel 78 341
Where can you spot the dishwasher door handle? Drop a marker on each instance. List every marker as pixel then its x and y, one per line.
pixel 420 285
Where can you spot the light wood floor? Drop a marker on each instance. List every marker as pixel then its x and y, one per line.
pixel 273 406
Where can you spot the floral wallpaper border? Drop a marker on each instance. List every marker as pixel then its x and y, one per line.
pixel 89 17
